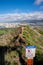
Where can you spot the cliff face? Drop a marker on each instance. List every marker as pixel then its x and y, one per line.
pixel 13 42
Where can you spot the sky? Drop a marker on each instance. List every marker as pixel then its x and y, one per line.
pixel 14 10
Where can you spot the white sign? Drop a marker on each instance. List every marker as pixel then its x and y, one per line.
pixel 30 51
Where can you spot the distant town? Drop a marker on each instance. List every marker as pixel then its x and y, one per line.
pixel 13 25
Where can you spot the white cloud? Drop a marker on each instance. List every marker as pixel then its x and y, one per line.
pixel 21 16
pixel 41 7
pixel 38 2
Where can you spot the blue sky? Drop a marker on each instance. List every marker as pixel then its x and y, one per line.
pixel 10 8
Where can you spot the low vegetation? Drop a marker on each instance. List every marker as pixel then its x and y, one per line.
pixel 14 45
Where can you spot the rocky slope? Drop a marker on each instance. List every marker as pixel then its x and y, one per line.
pixel 13 42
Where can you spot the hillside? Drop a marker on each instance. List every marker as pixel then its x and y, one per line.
pixel 13 42
pixel 33 37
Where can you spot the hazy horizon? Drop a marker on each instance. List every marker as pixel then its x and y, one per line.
pixel 18 10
